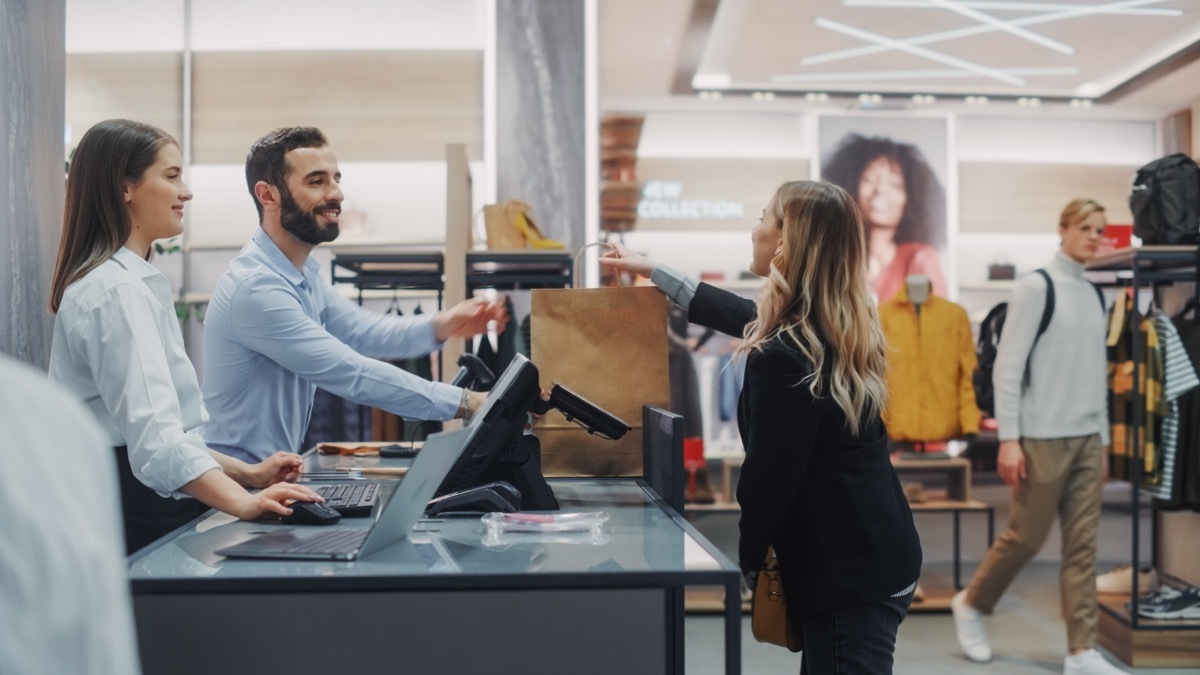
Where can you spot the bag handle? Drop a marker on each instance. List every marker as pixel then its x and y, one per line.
pixel 579 258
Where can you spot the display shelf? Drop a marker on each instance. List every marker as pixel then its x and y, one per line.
pixel 1135 639
pixel 996 285
pixel 519 270
pixel 1151 644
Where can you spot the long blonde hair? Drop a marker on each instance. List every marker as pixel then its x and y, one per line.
pixel 817 296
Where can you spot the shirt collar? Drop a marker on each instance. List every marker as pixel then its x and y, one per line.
pixel 279 263
pixel 135 263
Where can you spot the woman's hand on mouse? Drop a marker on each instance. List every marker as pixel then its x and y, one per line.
pixel 625 260
pixel 274 500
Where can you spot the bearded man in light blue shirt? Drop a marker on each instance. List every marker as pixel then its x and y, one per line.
pixel 275 330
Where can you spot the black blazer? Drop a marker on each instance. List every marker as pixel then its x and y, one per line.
pixel 831 504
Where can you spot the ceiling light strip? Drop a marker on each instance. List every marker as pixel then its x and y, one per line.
pixel 931 74
pixel 1003 6
pixel 976 30
pixel 1005 26
pixel 889 43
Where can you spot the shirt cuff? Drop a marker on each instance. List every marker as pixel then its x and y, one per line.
pixel 676 285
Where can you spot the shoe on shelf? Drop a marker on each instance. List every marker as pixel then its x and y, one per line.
pixel 1171 603
pixel 1089 662
pixel 1120 580
pixel 968 628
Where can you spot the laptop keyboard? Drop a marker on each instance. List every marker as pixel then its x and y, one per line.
pixel 349 499
pixel 336 541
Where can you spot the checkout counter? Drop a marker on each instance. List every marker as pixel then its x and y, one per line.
pixel 447 599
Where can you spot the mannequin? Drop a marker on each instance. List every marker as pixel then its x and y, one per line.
pixel 918 286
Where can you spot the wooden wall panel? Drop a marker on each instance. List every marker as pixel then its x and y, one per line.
pixel 373 106
pixel 1028 198
pixel 146 87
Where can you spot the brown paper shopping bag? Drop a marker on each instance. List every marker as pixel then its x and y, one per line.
pixel 608 345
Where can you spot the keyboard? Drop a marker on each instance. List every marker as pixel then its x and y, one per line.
pixel 352 500
pixel 336 541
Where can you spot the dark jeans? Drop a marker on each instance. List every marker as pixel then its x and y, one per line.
pixel 148 516
pixel 851 640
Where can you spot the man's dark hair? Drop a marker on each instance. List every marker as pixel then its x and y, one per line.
pixel 267 159
pixel 924 218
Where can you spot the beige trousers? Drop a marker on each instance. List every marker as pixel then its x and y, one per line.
pixel 1062 477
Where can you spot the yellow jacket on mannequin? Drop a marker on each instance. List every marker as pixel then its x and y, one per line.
pixel 931 357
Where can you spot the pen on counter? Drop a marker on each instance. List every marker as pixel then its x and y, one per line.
pixel 386 470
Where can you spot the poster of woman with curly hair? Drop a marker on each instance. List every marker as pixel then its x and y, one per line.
pixel 894 168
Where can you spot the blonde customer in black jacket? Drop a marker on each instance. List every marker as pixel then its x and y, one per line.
pixel 817 483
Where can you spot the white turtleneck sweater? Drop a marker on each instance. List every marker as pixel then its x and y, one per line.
pixel 1067 392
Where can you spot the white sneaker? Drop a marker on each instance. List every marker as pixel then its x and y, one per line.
pixel 1120 580
pixel 1089 663
pixel 968 627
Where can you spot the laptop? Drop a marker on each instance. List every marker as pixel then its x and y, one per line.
pixel 395 521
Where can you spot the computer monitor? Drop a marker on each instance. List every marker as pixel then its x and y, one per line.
pixel 498 449
pixel 662 454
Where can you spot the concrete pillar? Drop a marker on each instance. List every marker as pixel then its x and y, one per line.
pixel 32 93
pixel 540 151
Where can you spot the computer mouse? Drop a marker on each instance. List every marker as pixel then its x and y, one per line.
pixel 311 513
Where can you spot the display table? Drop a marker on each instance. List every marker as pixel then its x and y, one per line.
pixel 443 600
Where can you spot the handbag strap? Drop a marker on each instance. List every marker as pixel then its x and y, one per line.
pixel 579 257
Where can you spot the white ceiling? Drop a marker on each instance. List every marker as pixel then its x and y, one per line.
pixel 1127 54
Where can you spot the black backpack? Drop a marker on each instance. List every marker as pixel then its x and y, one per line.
pixel 1165 201
pixel 989 344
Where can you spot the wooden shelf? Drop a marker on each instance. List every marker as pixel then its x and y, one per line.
pixel 1153 644
pixel 935 601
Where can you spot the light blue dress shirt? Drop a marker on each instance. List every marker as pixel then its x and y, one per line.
pixel 273 334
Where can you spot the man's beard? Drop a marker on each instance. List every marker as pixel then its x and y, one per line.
pixel 303 224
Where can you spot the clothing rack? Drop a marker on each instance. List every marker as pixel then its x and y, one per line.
pixel 1145 267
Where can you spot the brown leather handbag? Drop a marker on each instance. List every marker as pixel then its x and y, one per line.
pixel 769 621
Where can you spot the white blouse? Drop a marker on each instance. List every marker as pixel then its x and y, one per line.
pixel 117 345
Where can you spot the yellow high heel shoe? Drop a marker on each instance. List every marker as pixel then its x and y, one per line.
pixel 510 227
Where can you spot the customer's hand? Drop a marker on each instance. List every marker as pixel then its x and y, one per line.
pixel 469 318
pixel 281 467
pixel 1010 463
pixel 625 260
pixel 274 501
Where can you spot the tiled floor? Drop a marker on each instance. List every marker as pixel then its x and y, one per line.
pixel 1027 633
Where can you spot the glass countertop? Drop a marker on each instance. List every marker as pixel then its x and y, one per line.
pixel 640 536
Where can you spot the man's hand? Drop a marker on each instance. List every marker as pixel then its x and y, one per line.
pixel 281 467
pixel 625 260
pixel 469 318
pixel 1010 463
pixel 274 500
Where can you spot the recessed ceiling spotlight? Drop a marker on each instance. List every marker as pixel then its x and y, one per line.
pixel 1035 101
pixel 822 97
pixel 982 100
pixel 810 97
pixel 864 98
pixel 1086 103
pixel 715 95
pixel 768 96
pixel 970 100
pixel 876 98
pixel 918 99
pixel 757 96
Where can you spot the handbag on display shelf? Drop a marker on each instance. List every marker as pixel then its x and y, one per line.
pixel 769 620
pixel 610 346
pixel 510 227
pixel 1001 270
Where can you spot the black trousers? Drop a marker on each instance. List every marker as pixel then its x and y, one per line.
pixel 148 516
pixel 856 640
